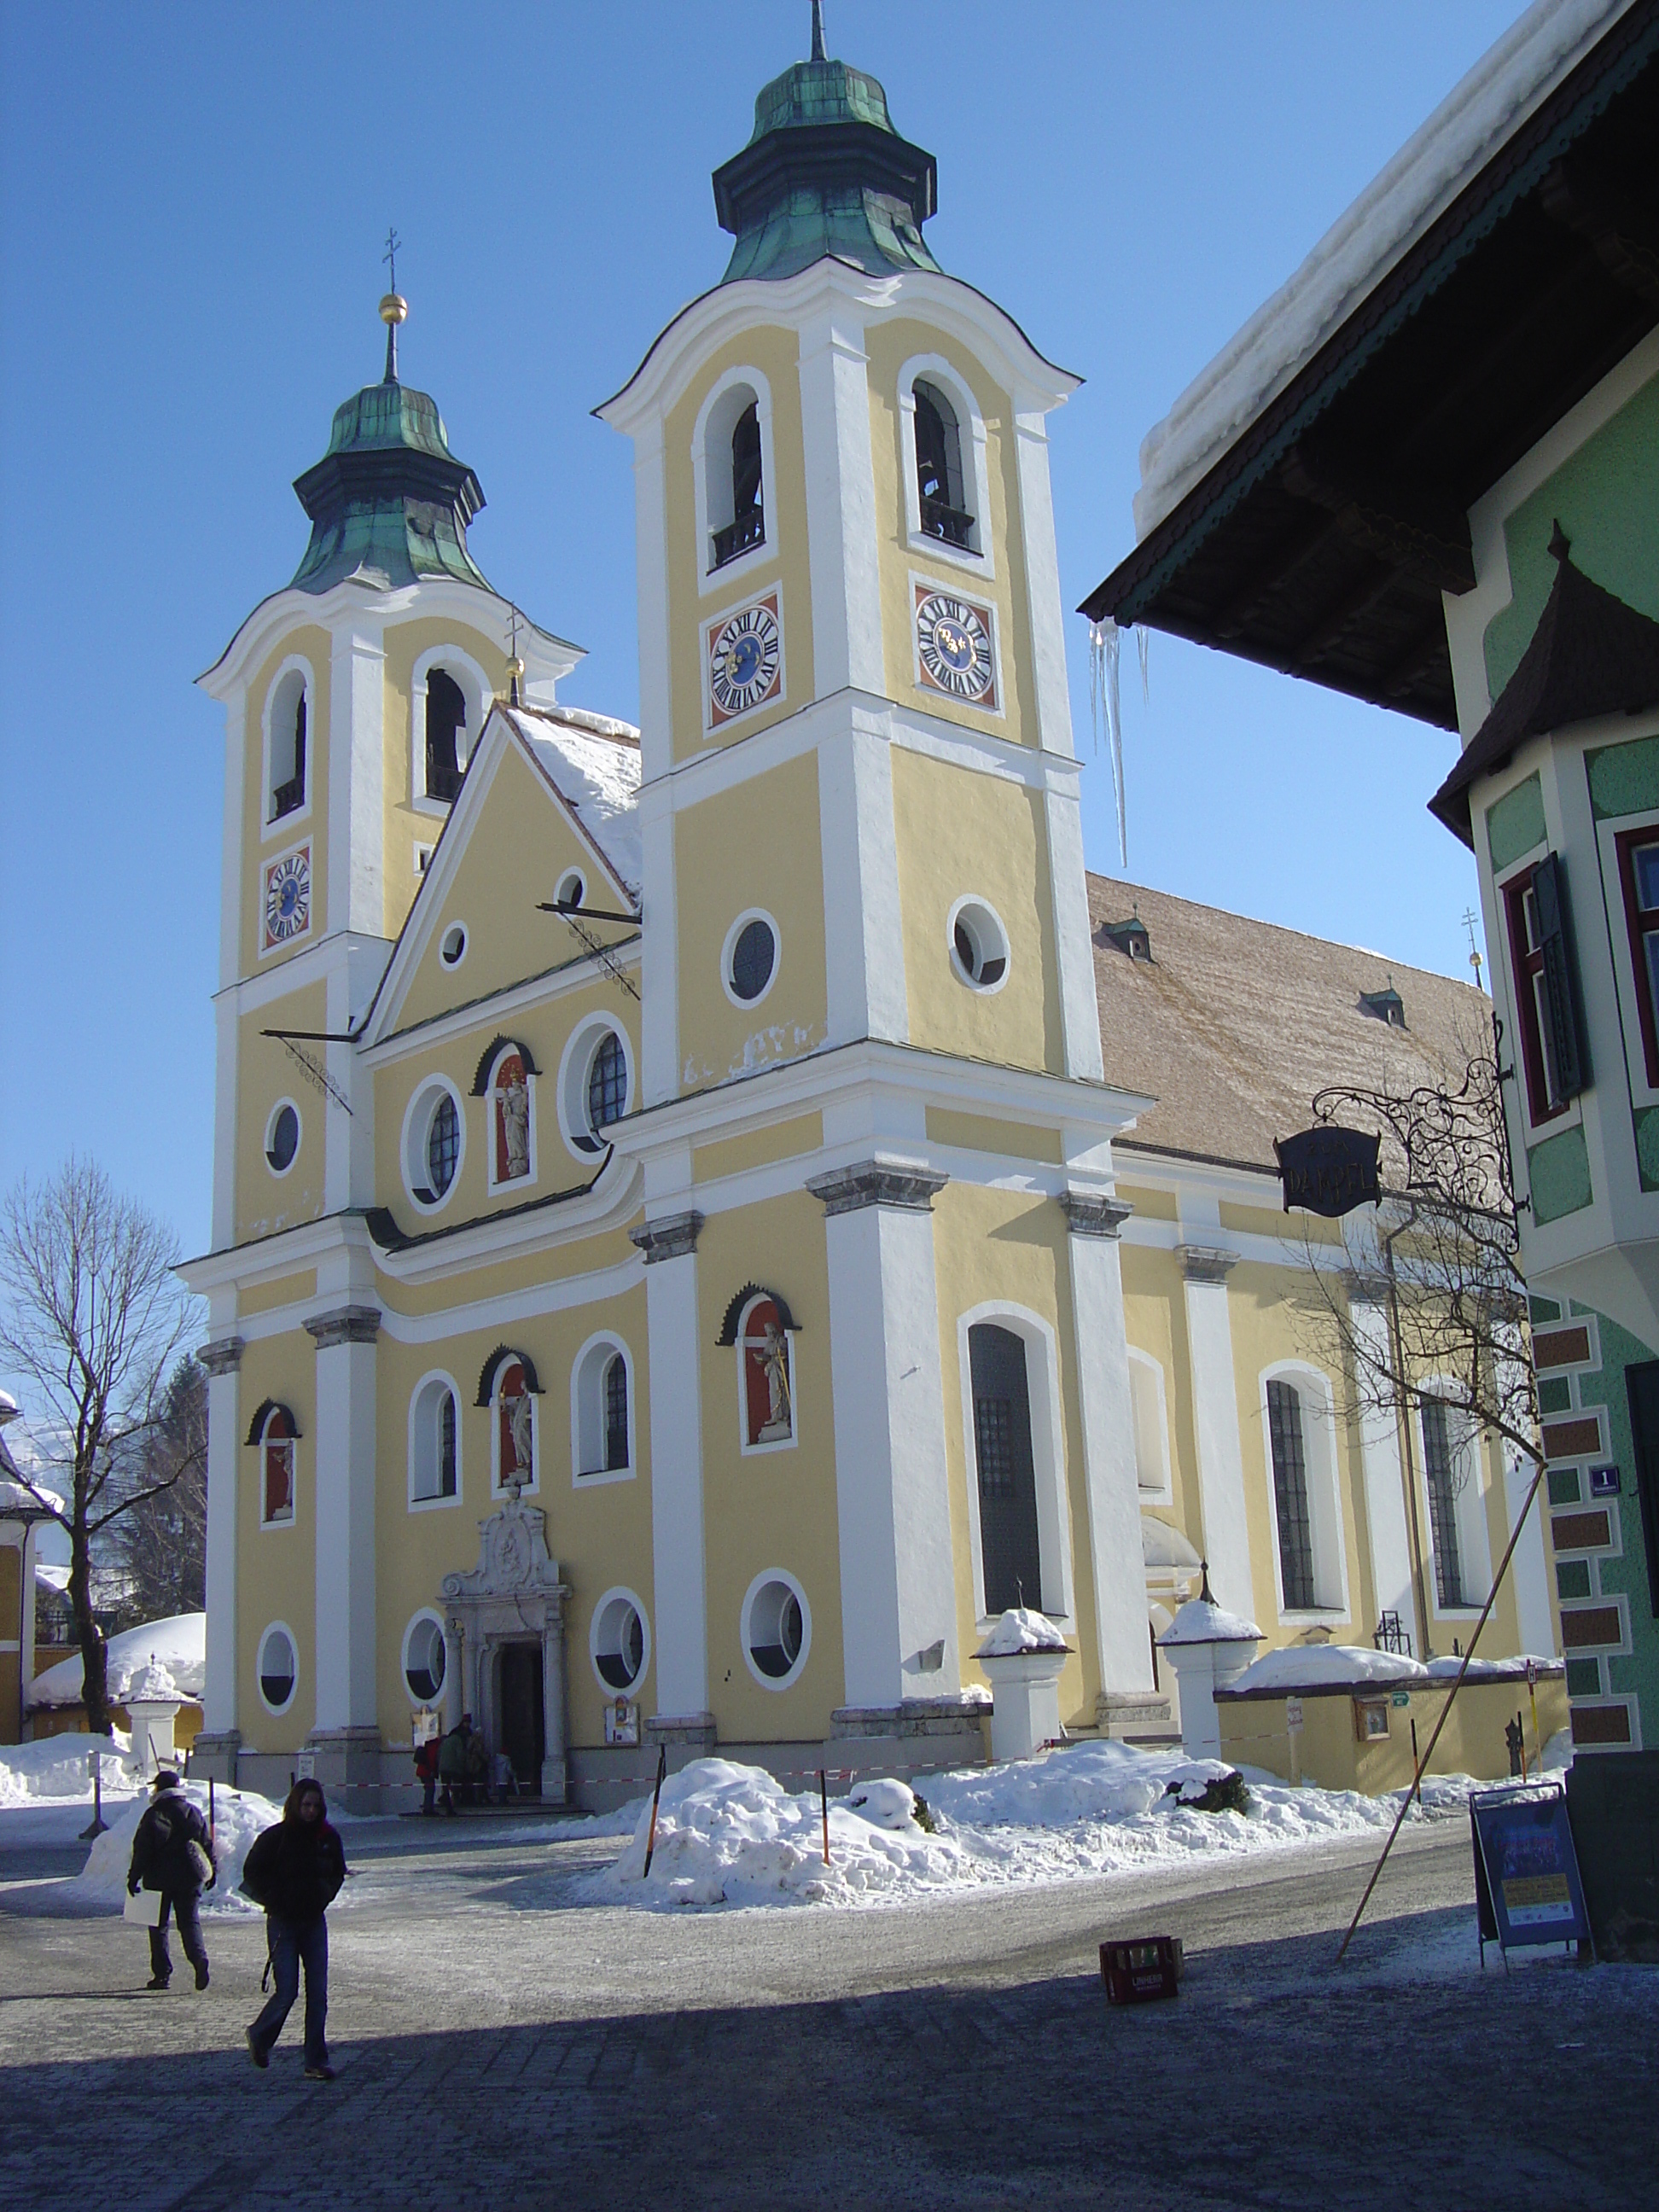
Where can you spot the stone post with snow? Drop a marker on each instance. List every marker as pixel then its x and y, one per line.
pixel 1208 1648
pixel 152 1701
pixel 1025 1654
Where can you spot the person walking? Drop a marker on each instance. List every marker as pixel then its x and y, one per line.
pixel 295 1871
pixel 173 1851
pixel 452 1761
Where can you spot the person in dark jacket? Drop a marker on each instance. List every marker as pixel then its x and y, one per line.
pixel 453 1762
pixel 173 1851
pixel 426 1772
pixel 295 1871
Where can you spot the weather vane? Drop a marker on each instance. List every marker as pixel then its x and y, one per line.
pixel 389 256
pixel 515 666
pixel 1470 920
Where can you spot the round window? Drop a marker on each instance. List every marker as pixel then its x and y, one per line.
pixel 572 890
pixel 777 1629
pixel 452 950
pixel 979 945
pixel 619 1641
pixel 607 1086
pixel 752 959
pixel 443 1146
pixel 424 1658
pixel 277 1668
pixel 283 1138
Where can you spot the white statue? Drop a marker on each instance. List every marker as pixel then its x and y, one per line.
pixel 514 1104
pixel 774 1359
pixel 519 1420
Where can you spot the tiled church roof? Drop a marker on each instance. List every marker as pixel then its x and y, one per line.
pixel 1233 1025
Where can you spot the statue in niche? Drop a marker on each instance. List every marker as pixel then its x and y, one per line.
pixel 767 1399
pixel 516 1429
pixel 512 1121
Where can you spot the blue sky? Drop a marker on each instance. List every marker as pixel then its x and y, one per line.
pixel 192 206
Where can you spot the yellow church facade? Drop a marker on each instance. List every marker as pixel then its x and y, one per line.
pixel 692 1239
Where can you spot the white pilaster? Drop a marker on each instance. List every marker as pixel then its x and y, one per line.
pixel 226 1053
pixel 343 1461
pixel 660 954
pixel 1215 1423
pixel 222 1360
pixel 1037 515
pixel 651 536
pixel 864 964
pixel 1075 953
pixel 892 1494
pixel 1111 1488
pixel 841 503
pixel 681 1639
pixel 1529 1575
pixel 1384 1479
pixel 356 782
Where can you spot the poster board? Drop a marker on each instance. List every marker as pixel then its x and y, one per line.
pixel 1527 1886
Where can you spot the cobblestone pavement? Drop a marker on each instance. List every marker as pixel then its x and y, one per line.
pixel 498 2048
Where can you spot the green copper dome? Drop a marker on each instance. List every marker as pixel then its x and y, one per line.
pixel 825 173
pixel 389 503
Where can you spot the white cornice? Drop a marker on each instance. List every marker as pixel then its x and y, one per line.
pixel 329 957
pixel 546 658
pixel 945 303
pixel 613 1201
pixel 265 1259
pixel 496 1006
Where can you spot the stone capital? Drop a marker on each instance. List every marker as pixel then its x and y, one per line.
pixel 903 1183
pixel 672 1237
pixel 1092 1213
pixel 224 1356
pixel 1205 1263
pixel 344 1325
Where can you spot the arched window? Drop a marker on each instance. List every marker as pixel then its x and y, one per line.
pixel 607 1085
pixel 733 470
pixel 1010 1548
pixel 445 743
pixel 1457 1521
pixel 601 1417
pixel 1152 1426
pixel 513 1425
pixel 1296 1568
pixel 287 744
pixel 1301 1437
pixel 939 468
pixel 276 1467
pixel 511 1115
pixel 434 1450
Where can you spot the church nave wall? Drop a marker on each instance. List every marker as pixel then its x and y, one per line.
pixel 276 1538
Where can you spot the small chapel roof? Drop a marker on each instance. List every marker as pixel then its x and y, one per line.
pixel 1233 1025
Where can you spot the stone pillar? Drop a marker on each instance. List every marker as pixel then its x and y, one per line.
pixel 1127 1701
pixel 344 1733
pixel 1380 1471
pixel 213 1752
pixel 681 1641
pixel 455 1650
pixel 897 1574
pixel 1209 1649
pixel 554 1780
pixel 1215 1422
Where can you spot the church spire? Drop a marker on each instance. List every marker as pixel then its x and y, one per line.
pixel 817 53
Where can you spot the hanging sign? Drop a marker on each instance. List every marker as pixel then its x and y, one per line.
pixel 1328 1171
pixel 1526 1871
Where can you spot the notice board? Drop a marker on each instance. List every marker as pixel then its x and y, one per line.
pixel 1526 1871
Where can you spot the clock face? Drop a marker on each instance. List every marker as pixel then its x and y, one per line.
pixel 953 647
pixel 287 897
pixel 745 661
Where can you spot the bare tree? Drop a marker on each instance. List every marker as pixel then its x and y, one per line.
pixel 93 1317
pixel 161 1540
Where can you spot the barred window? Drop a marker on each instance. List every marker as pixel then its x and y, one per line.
pixel 994 1432
pixel 443 1146
pixel 1437 1457
pixel 1291 1496
pixel 616 1413
pixel 607 1083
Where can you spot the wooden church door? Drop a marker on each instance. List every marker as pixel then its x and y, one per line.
pixel 1008 1478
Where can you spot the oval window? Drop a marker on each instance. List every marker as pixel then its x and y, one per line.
pixel 619 1642
pixel 423 1659
pixel 753 959
pixel 283 1140
pixel 453 948
pixel 776 1632
pixel 277 1669
pixel 572 890
pixel 607 1085
pixel 979 945
pixel 443 1146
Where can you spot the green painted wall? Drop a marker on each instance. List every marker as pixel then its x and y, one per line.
pixel 1639 1673
pixel 1624 779
pixel 1515 823
pixel 1558 1176
pixel 1604 498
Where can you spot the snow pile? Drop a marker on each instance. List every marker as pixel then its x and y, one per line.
pixel 179 1645
pixel 1201 1620
pixel 152 1684
pixel 238 1816
pixel 55 1769
pixel 1304 1665
pixel 1021 1630
pixel 732 1835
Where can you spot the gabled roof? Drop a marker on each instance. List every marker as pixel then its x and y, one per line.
pixel 1591 655
pixel 1234 1025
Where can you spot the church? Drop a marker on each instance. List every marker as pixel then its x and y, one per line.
pixel 708 1216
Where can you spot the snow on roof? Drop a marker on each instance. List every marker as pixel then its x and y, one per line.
pixel 1021 1630
pixel 1308 1666
pixel 1201 1620
pixel 178 1643
pixel 1470 126
pixel 594 761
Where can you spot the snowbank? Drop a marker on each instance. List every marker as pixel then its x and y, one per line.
pixel 55 1769
pixel 238 1816
pixel 1304 1664
pixel 178 1643
pixel 731 1835
pixel 1201 1620
pixel 1019 1629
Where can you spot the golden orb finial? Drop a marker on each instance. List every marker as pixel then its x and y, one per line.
pixel 394 308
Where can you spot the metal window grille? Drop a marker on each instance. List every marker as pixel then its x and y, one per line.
pixel 994 1433
pixel 607 1083
pixel 446 1445
pixel 616 1413
pixel 1443 1504
pixel 443 1146
pixel 1291 1496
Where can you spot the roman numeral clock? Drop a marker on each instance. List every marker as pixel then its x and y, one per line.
pixel 954 653
pixel 744 660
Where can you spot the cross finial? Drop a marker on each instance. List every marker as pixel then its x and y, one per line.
pixel 389 256
pixel 393 307
pixel 818 53
pixel 515 665
pixel 1470 921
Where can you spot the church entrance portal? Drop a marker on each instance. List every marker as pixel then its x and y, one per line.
pixel 520 1723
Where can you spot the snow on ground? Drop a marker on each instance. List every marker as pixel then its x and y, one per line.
pixel 54 1770
pixel 238 1816
pixel 731 1835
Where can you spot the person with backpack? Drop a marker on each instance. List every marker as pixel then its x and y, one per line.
pixel 295 1871
pixel 173 1851
pixel 426 1772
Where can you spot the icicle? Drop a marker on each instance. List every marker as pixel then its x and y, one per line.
pixel 1105 703
pixel 1143 641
